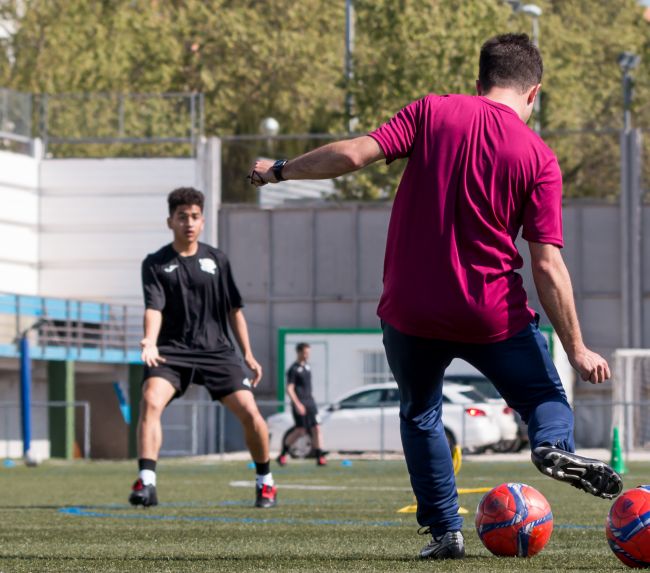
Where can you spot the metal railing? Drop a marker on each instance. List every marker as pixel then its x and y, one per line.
pixel 199 427
pixel 67 329
pixel 11 433
pixel 108 124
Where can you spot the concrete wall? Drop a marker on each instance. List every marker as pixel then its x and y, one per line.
pixel 19 218
pixel 320 266
pixel 99 219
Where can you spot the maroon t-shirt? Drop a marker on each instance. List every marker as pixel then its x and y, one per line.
pixel 476 174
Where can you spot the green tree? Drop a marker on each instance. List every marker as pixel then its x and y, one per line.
pixel 410 48
pixel 282 58
pixel 249 59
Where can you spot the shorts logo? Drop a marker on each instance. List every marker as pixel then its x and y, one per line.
pixel 208 266
pixel 246 382
pixel 170 268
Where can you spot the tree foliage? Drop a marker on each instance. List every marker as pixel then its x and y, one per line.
pixel 283 58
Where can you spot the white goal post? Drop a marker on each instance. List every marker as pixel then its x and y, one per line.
pixel 631 397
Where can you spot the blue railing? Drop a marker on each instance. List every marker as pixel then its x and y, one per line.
pixel 66 329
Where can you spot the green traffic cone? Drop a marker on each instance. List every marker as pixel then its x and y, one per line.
pixel 617 462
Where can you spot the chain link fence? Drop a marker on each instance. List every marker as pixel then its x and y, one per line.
pixel 15 121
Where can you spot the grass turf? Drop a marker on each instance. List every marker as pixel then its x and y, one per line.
pixel 206 524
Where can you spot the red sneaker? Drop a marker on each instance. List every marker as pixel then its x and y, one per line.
pixel 321 461
pixel 144 495
pixel 282 460
pixel 265 496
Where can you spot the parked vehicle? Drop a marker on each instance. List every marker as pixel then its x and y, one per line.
pixel 514 432
pixel 366 419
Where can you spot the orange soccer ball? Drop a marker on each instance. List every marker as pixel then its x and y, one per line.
pixel 628 527
pixel 514 520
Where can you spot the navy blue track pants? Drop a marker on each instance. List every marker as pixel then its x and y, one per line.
pixel 523 372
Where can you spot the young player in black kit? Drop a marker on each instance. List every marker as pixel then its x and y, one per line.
pixel 191 301
pixel 303 406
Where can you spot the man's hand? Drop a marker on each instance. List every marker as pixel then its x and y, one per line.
pixel 591 366
pixel 255 368
pixel 150 354
pixel 300 408
pixel 262 173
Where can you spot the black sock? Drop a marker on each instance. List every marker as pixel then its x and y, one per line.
pixel 146 464
pixel 263 468
pixel 319 453
pixel 285 450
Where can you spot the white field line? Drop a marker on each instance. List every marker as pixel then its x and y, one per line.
pixel 322 487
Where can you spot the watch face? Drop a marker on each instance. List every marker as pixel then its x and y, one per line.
pixel 277 169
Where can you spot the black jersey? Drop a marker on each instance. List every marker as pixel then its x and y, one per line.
pixel 195 295
pixel 300 375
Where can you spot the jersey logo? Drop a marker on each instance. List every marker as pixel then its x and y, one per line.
pixel 170 268
pixel 208 266
pixel 246 382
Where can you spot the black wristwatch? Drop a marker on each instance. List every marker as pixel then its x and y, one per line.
pixel 277 169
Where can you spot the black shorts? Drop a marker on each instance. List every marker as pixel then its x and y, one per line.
pixel 220 373
pixel 309 420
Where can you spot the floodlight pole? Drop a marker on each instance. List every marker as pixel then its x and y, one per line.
pixel 631 216
pixel 534 11
pixel 349 69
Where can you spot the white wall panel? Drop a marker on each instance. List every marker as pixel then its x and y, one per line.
pixel 116 176
pixel 100 218
pixel 18 244
pixel 19 217
pixel 18 278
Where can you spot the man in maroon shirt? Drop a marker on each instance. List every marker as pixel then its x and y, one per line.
pixel 476 175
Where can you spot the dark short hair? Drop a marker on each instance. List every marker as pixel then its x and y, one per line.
pixel 510 61
pixel 184 196
pixel 301 346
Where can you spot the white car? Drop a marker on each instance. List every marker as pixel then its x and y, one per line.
pixel 513 431
pixel 366 419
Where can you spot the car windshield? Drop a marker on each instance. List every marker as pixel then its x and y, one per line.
pixel 473 395
pixel 483 385
pixel 365 399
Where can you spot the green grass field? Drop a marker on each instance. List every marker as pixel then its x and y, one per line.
pixel 74 517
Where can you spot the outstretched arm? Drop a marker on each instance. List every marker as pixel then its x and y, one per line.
pixel 325 162
pixel 553 285
pixel 240 331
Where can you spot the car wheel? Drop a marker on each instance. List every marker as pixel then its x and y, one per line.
pixel 450 440
pixel 301 448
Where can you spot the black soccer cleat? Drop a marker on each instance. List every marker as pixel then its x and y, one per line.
pixel 590 475
pixel 144 495
pixel 450 545
pixel 266 496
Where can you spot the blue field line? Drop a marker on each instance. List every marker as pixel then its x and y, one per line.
pixel 80 512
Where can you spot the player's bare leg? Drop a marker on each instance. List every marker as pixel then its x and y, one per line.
pixel 294 435
pixel 156 394
pixel 242 404
pixel 317 442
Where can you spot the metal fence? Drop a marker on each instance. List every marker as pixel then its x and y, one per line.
pixel 110 125
pixel 590 159
pixel 15 121
pixel 202 427
pixel 11 444
pixel 66 329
